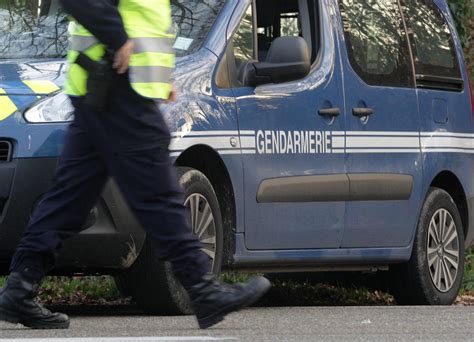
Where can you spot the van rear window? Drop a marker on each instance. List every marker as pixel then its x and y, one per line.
pixel 431 40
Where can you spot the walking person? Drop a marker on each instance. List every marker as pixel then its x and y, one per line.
pixel 118 131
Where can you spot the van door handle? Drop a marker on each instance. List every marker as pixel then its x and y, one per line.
pixel 330 112
pixel 359 112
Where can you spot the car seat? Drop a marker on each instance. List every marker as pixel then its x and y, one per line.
pixel 265 18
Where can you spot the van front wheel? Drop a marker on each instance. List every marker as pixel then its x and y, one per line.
pixel 150 281
pixel 433 275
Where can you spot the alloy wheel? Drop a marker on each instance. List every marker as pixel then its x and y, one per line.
pixel 203 224
pixel 443 254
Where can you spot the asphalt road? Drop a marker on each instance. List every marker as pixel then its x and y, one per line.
pixel 389 323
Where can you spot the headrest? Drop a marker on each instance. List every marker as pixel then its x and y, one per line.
pixel 266 12
pixel 288 50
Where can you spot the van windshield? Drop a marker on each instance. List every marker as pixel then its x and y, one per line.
pixel 38 28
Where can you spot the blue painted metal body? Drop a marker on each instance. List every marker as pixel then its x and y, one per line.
pixel 380 143
pixel 290 233
pixel 458 120
pixel 291 107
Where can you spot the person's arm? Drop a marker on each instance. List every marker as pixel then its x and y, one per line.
pixel 101 18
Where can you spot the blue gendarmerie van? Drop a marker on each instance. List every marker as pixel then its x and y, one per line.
pixel 309 135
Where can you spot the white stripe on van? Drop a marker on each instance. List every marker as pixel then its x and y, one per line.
pixel 232 143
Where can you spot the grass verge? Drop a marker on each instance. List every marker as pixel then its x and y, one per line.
pixel 102 290
pixel 468 280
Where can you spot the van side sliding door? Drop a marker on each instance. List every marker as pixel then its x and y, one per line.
pixel 291 136
pixel 383 156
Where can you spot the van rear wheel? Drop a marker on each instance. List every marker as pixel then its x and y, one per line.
pixel 150 281
pixel 433 275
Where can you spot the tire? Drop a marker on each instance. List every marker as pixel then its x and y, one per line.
pixel 430 276
pixel 122 285
pixel 150 281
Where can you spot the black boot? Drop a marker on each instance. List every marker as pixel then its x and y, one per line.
pixel 213 300
pixel 17 305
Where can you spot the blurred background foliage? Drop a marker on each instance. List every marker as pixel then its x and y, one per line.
pixel 463 12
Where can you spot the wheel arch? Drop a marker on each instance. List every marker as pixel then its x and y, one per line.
pixel 450 183
pixel 206 160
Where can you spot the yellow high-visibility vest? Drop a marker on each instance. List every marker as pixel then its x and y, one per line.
pixel 148 23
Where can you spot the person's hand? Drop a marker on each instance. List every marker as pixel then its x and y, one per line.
pixel 173 95
pixel 122 57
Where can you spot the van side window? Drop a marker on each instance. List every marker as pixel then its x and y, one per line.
pixel 290 25
pixel 376 42
pixel 272 19
pixel 283 18
pixel 431 40
pixel 243 40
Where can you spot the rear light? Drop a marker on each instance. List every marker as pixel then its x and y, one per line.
pixel 469 87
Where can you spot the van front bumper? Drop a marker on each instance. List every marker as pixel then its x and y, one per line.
pixel 22 184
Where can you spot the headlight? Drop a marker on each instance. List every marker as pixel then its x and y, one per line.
pixel 57 108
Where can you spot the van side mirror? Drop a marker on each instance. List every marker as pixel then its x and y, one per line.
pixel 287 60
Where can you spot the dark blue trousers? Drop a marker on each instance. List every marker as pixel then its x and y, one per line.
pixel 129 142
